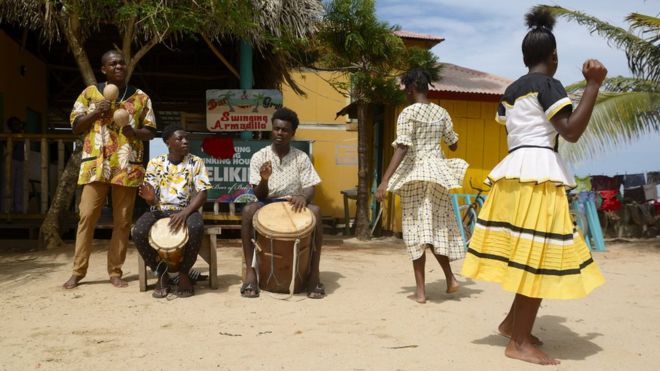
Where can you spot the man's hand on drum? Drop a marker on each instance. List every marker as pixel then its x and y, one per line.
pixel 266 170
pixel 298 202
pixel 178 220
pixel 147 192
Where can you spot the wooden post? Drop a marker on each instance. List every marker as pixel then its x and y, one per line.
pixel 7 196
pixel 26 170
pixel 44 175
pixel 60 158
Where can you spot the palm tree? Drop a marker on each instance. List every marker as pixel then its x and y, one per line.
pixel 627 108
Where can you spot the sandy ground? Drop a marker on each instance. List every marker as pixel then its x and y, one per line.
pixel 365 323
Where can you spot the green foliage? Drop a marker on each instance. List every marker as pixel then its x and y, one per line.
pixel 353 40
pixel 623 113
pixel 643 50
pixel 626 108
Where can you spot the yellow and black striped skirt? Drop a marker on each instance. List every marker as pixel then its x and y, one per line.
pixel 525 241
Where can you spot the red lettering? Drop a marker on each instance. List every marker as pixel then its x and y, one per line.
pixel 212 104
pixel 225 116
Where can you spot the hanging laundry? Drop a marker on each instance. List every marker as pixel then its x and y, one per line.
pixel 634 180
pixel 582 183
pixel 635 194
pixel 602 182
pixel 653 177
pixel 651 191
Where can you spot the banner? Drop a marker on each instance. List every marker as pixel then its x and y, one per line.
pixel 241 110
pixel 230 177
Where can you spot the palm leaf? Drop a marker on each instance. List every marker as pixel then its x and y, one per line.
pixel 618 118
pixel 643 54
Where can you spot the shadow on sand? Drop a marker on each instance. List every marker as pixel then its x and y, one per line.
pixel 436 291
pixel 559 340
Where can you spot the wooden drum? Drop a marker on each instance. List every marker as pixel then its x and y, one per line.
pixel 168 243
pixel 284 246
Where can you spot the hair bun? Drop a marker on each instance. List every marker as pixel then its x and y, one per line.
pixel 539 17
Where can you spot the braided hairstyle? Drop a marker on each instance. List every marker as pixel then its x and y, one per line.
pixel 418 78
pixel 539 43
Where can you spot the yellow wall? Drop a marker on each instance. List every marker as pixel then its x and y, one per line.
pixel 334 147
pixel 21 92
pixel 322 102
pixel 335 159
pixel 482 143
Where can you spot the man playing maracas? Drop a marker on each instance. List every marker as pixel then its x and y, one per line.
pixel 111 161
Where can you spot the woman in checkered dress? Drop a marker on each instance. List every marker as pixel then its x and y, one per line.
pixel 421 175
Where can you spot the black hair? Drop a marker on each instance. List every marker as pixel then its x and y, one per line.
pixel 287 115
pixel 539 43
pixel 418 78
pixel 107 55
pixel 169 131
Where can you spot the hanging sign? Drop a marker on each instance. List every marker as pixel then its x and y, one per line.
pixel 241 110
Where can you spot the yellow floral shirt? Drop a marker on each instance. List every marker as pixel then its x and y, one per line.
pixel 175 185
pixel 108 156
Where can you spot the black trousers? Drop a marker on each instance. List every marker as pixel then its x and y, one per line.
pixel 195 225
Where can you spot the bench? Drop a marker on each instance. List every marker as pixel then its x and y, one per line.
pixel 207 252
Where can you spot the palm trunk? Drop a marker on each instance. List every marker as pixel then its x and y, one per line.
pixel 49 233
pixel 362 222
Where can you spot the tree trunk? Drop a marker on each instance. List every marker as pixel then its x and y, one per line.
pixel 49 233
pixel 362 222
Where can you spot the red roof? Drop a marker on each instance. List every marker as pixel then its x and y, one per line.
pixel 459 79
pixel 418 36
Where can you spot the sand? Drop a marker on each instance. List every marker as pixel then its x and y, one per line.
pixel 365 323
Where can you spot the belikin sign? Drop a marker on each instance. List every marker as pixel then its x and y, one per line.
pixel 241 110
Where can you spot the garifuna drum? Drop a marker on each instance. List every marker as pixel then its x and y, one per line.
pixel 284 247
pixel 168 243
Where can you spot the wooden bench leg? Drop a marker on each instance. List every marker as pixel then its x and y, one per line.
pixel 213 263
pixel 208 252
pixel 142 271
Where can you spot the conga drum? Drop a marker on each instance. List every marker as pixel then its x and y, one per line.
pixel 168 243
pixel 284 246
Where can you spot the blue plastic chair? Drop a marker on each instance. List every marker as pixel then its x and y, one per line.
pixel 466 199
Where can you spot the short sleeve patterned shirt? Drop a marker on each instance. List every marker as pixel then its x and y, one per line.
pixel 290 175
pixel 108 156
pixel 175 185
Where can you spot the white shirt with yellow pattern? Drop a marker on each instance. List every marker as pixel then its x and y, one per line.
pixel 175 185
pixel 290 175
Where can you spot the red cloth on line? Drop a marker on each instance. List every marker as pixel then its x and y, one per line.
pixel 220 147
pixel 611 200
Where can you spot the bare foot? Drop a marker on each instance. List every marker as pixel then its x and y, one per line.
pixel 72 282
pixel 118 282
pixel 528 353
pixel 507 334
pixel 452 286
pixel 419 299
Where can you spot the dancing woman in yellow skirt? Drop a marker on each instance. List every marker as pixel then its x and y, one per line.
pixel 524 238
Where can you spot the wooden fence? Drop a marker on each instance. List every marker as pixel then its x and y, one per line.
pixel 37 180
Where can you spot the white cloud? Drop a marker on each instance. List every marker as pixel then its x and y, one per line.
pixel 486 35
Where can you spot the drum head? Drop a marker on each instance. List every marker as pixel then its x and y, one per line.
pixel 279 220
pixel 162 237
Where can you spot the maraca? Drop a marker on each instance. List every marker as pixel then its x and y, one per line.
pixel 120 117
pixel 111 92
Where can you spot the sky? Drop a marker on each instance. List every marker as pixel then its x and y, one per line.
pixel 486 36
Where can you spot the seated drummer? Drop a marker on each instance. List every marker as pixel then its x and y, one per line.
pixel 281 172
pixel 170 182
